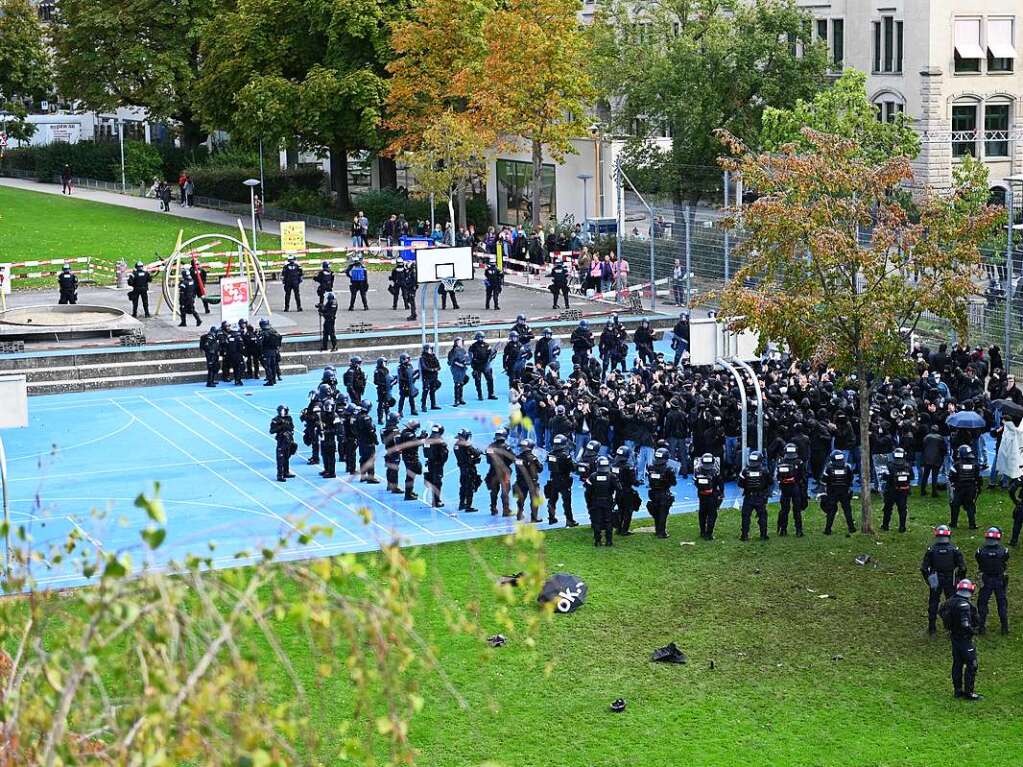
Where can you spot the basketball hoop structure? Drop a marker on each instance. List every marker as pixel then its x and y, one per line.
pixel 248 266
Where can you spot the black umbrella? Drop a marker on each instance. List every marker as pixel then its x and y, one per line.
pixel 1008 407
pixel 567 592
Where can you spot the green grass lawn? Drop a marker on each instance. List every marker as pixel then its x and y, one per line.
pixel 798 678
pixel 38 226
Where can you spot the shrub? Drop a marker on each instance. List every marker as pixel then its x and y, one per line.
pixel 227 183
pixel 379 205
pixel 176 160
pixel 142 163
pixel 308 202
pixel 86 158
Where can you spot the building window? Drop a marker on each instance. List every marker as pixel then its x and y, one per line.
pixel 964 130
pixel 514 193
pixel 887 45
pixel 1001 53
pixel 996 130
pixel 837 43
pixel 46 10
pixel 996 196
pixel 968 52
pixel 888 107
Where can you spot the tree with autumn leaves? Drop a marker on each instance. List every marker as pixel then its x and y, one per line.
pixel 840 269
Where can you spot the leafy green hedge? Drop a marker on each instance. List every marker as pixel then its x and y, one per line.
pixel 379 205
pixel 227 183
pixel 102 161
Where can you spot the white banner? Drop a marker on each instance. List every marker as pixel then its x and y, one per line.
pixel 234 299
pixel 5 279
pixel 1008 461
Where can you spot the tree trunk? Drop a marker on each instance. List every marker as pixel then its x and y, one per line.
pixel 463 217
pixel 536 191
pixel 387 170
pixel 866 517
pixel 192 134
pixel 339 176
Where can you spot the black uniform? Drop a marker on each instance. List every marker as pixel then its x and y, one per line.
pixel 468 457
pixel 253 351
pixel 366 440
pixel 210 345
pixel 480 358
pixel 993 561
pixel 493 282
pixel 560 468
pixel 559 284
pixel 139 281
pixel 436 452
pixel 410 440
pixel 407 389
pixel 396 280
pixel 200 279
pixel 392 457
pixel 945 562
pixel 837 478
pixel 601 488
pixel 186 302
pixel 582 344
pixel 324 280
pixel 348 445
pixel 330 426
pixel 409 286
pixel 291 278
pixel 500 460
pixel 67 283
pixel 965 483
pixel 756 484
pixel 234 353
pixel 626 498
pixel 354 380
pixel 311 429
pixel 791 473
pixel 710 490
pixel 329 330
pixel 897 485
pixel 283 428
pixel 429 367
pixel 270 344
pixel 527 481
pixel 383 381
pixel 661 479
pixel 961 620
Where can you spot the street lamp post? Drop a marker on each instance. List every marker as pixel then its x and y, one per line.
pixel 1013 197
pixel 584 177
pixel 252 183
pixel 120 137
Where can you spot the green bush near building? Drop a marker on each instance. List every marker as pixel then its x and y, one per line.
pixel 379 205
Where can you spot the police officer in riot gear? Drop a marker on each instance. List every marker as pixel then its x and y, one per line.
pixel 468 457
pixel 993 561
pixel 384 382
pixel 527 481
pixel 312 427
pixel 429 370
pixel 209 342
pixel 67 284
pixel 897 485
pixel 964 481
pixel 587 460
pixel 791 475
pixel 710 490
pixel 661 479
pixel 234 352
pixel 436 452
pixel 407 384
pixel 493 282
pixel 626 497
pixel 291 278
pixel 329 427
pixel 559 283
pixel 283 429
pixel 410 440
pixel 458 364
pixel 391 437
pixel 582 343
pixel 139 281
pixel 756 483
pixel 837 478
pixel 354 379
pixel 186 300
pixel 943 564
pixel 547 351
pixel 270 345
pixel 514 358
pixel 480 358
pixel 328 331
pixel 601 488
pixel 366 440
pixel 500 460
pixel 961 619
pixel 560 468
pixel 358 285
pixel 348 445
pixel 324 280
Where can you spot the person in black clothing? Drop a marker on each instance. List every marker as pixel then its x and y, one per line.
pixel 311 428
pixel 582 343
pixel 756 483
pixel 409 286
pixel 943 564
pixel 410 440
pixel 186 301
pixel 407 384
pixel 468 457
pixel 961 619
pixel 493 283
pixel 601 488
pixel 291 278
pixel 139 281
pixel 993 562
pixel 559 283
pixel 791 474
pixel 67 284
pixel 480 357
pixel 1016 494
pixel 354 379
pixel 397 280
pixel 366 440
pixel 210 345
pixel 200 280
pixel 444 292
pixel 838 486
pixel 234 352
pixel 527 481
pixel 384 382
pixel 270 345
pixel 324 280
pixel 329 314
pixel 436 452
pixel 391 437
pixel 897 485
pixel 680 337
pixel 710 491
pixel 661 479
pixel 964 480
pixel 644 340
pixel 429 371
pixel 500 460
pixel 329 431
pixel 560 468
pixel 626 498
pixel 252 348
pixel 933 458
pixel 283 429
pixel 358 283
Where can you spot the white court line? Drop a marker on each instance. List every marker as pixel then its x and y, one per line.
pixel 168 502
pixel 84 532
pixel 121 470
pixel 58 449
pixel 319 489
pixel 262 476
pixel 213 471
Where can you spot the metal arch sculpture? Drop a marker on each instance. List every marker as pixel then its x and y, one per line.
pixel 249 266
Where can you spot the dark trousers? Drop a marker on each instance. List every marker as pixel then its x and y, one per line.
pixel 496 487
pixel 68 298
pixel 932 473
pixel 212 367
pixel 288 291
pixel 328 335
pixel 183 312
pixel 478 376
pixel 235 365
pixel 708 515
pixel 494 295
pixel 564 492
pixel 328 450
pixel 435 483
pixel 997 587
pixel 383 395
pixel 283 459
pixel 750 504
pixel 428 391
pixel 468 480
pixel 602 522
pixel 964 665
pixel 358 290
pixel 1017 525
pixel 135 298
pixel 412 470
pixel 896 499
pixel 391 473
pixel 460 392
pixel 409 297
pixel 444 300
pixel 966 499
pixel 794 501
pixel 831 504
pixel 946 588
pixel 367 462
pixel 559 290
pixel 270 365
pixel 659 505
pixel 627 503
pixel 402 396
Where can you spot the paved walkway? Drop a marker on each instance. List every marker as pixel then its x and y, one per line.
pixel 318 236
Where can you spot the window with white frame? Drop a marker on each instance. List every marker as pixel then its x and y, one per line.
pixel 996 128
pixel 982 129
pixel 888 45
pixel 831 32
pixel 965 119
pixel 1001 49
pixel 968 50
pixel 888 107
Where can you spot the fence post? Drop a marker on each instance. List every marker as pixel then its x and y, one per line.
pixel 689 260
pixel 1010 207
pixel 728 244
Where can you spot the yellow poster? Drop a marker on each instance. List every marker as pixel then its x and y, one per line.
pixel 292 236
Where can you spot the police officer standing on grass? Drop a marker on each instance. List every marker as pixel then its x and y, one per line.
pixel 493 283
pixel 366 439
pixel 139 281
pixel 210 345
pixel 283 429
pixel 324 280
pixel 710 491
pixel 358 283
pixel 270 344
pixel 559 283
pixel 965 483
pixel 897 486
pixel 626 497
pixel 436 453
pixel 384 382
pixel 791 475
pixel 481 356
pixel 410 440
pixel 391 437
pixel 993 561
pixel 837 478
pixel 601 488
pixel 527 481
pixel 186 300
pixel 756 483
pixel 468 457
pixel 500 461
pixel 429 371
pixel 291 278
pixel 961 619
pixel 943 564
pixel 560 468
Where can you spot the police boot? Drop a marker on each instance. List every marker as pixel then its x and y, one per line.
pixel 570 520
pixel 552 517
